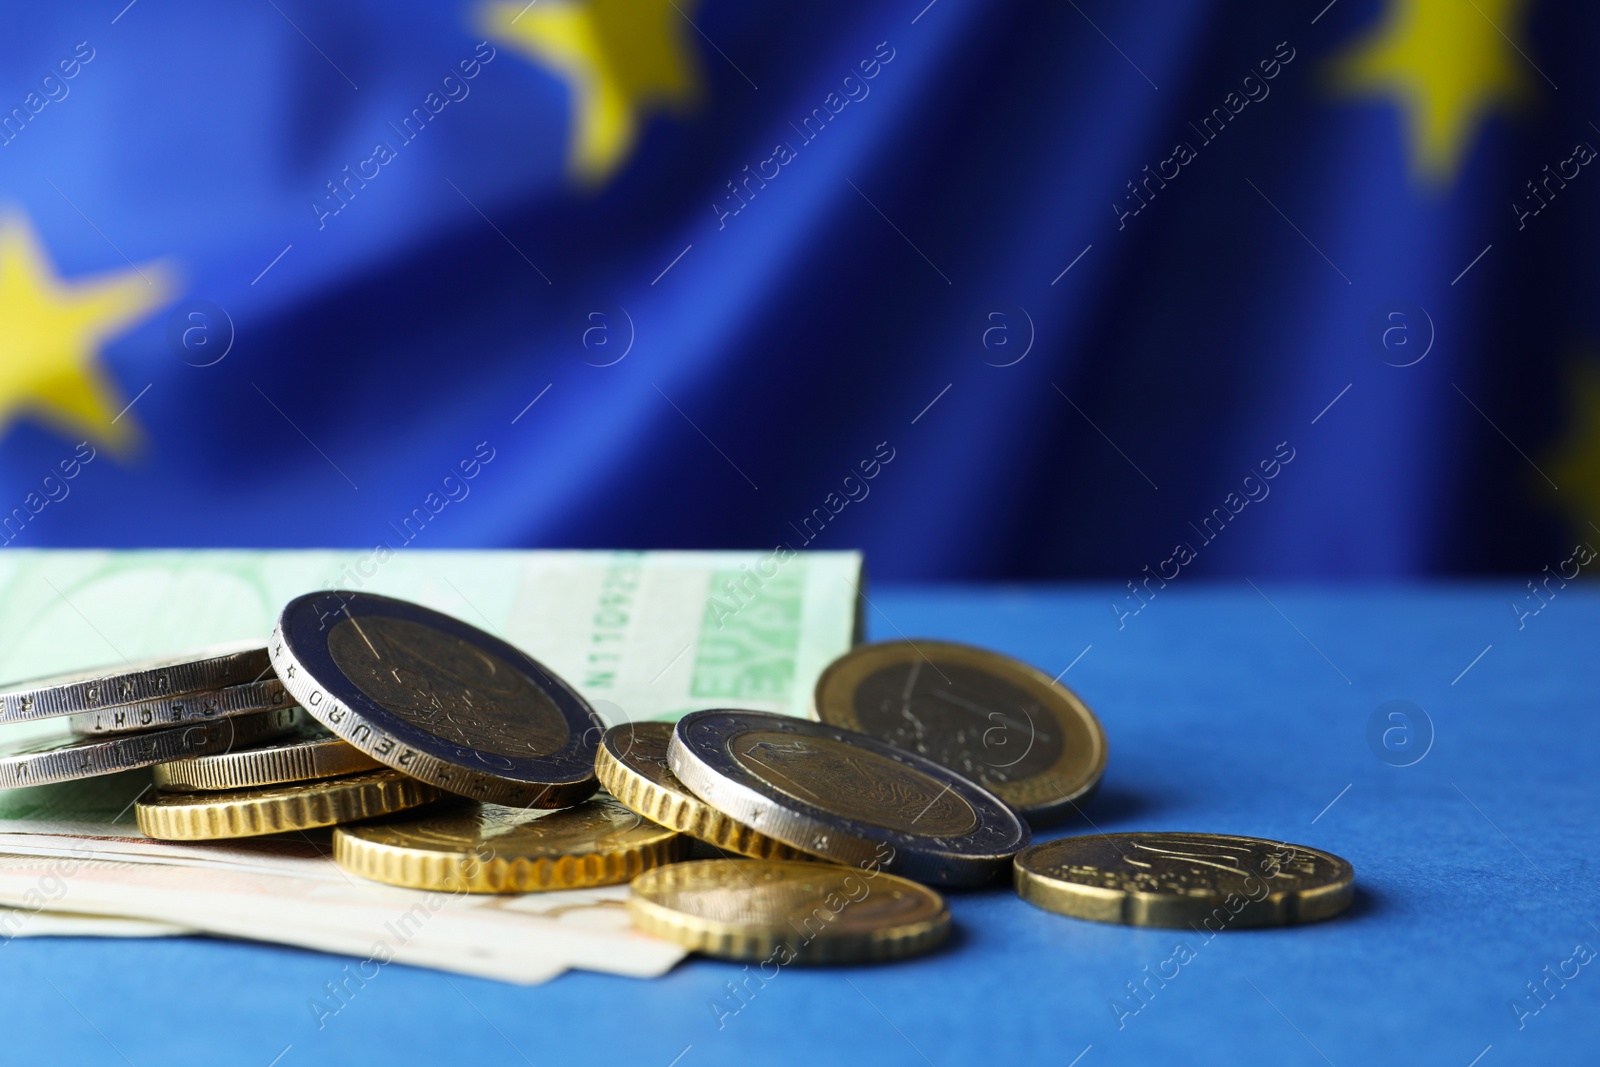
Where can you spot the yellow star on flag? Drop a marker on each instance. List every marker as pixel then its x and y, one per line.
pixel 50 334
pixel 1575 465
pixel 620 58
pixel 1447 63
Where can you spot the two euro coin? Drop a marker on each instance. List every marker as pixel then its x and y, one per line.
pixel 844 796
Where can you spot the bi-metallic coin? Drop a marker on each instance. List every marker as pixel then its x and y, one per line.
pixel 994 719
pixel 151 680
pixel 195 707
pixel 66 757
pixel 437 699
pixel 632 765
pixel 845 796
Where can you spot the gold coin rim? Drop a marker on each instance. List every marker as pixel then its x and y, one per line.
pixel 679 809
pixel 414 867
pixel 1084 748
pixel 278 809
pixel 1173 911
pixel 747 942
pixel 301 760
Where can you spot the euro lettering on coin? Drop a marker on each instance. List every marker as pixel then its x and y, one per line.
pixel 1212 882
pixel 845 796
pixel 65 757
pixel 437 699
pixel 155 679
pixel 996 720
pixel 196 707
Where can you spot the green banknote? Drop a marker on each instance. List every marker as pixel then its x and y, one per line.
pixel 643 635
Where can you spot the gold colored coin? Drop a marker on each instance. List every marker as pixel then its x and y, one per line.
pixel 780 913
pixel 1211 882
pixel 275 809
pixel 491 848
pixel 632 765
pixel 994 719
pixel 313 754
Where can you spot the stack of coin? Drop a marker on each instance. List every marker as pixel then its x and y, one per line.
pixel 306 780
pixel 138 714
pixel 449 760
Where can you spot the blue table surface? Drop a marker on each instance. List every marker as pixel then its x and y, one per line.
pixel 1228 712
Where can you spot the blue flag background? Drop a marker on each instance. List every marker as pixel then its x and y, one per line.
pixel 991 290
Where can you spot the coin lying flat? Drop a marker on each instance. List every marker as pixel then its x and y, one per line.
pixel 437 699
pixel 307 755
pixel 68 757
pixel 490 848
pixel 1210 881
pixel 196 707
pixel 845 796
pixel 632 765
pixel 142 681
pixel 782 912
pixel 278 808
pixel 994 719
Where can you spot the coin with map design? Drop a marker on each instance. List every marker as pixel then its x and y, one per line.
pixel 1211 882
pixel 996 720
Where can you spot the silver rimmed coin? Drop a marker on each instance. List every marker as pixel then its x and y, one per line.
pixel 437 699
pixel 151 680
pixel 197 707
pixel 307 754
pixel 1211 882
pixel 1007 726
pixel 845 796
pixel 66 757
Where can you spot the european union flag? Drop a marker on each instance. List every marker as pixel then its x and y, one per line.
pixel 1028 289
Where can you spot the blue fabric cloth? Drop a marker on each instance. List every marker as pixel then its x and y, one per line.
pixel 722 354
pixel 1226 712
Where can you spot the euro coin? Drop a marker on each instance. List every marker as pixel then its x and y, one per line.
pixel 67 757
pixel 155 679
pixel 196 707
pixel 490 848
pixel 437 699
pixel 780 913
pixel 632 765
pixel 994 719
pixel 845 796
pixel 277 808
pixel 308 755
pixel 1210 882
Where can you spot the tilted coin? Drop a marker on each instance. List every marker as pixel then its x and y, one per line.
pixel 632 765
pixel 437 699
pixel 781 913
pixel 67 757
pixel 275 809
pixel 845 796
pixel 994 719
pixel 1210 882
pixel 310 754
pixel 196 707
pixel 490 848
pixel 139 681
